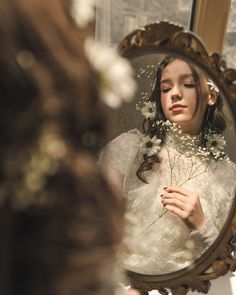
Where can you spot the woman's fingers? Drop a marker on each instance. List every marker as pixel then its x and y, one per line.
pixel 185 204
pixel 181 194
pixel 186 208
pixel 179 212
pixel 173 201
pixel 174 196
pixel 177 189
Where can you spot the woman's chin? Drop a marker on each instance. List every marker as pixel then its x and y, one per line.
pixel 180 120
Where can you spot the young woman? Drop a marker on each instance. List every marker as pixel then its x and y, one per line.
pixel 178 182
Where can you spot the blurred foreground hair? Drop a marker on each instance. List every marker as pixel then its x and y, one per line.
pixel 60 221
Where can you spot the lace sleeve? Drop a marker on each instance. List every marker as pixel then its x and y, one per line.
pixel 223 189
pixel 121 151
pixel 226 178
pixel 206 235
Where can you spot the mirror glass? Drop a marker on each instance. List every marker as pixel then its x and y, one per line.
pixel 177 178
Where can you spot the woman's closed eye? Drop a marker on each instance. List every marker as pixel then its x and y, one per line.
pixel 165 89
pixel 189 85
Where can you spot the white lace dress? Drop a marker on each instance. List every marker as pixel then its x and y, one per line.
pixel 160 245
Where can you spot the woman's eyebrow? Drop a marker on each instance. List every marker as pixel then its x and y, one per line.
pixel 182 77
pixel 166 81
pixel 185 76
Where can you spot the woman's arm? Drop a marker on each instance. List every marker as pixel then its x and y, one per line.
pixel 187 205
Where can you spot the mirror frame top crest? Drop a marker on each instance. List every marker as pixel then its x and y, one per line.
pixel 169 38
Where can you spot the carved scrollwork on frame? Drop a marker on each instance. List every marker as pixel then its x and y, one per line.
pixel 165 37
pixel 170 38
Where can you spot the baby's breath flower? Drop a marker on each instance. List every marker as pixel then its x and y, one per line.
pixel 191 145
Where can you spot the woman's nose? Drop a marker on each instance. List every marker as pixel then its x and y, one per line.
pixel 176 93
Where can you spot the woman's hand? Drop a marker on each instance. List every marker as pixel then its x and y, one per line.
pixel 184 204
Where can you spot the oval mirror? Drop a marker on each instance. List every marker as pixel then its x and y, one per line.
pixel 176 157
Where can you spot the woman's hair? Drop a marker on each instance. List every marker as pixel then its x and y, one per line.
pixel 213 118
pixel 60 220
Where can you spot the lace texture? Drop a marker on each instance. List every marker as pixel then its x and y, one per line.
pixel 160 245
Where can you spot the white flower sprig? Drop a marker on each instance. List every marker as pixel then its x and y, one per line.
pixel 188 144
pixel 146 107
pixel 83 11
pixel 115 74
pixel 215 145
pixel 150 146
pixel 149 110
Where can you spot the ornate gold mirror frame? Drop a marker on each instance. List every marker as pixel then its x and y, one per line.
pixel 169 38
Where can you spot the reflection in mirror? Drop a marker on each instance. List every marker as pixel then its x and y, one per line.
pixel 178 181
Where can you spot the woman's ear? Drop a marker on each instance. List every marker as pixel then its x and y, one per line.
pixel 212 97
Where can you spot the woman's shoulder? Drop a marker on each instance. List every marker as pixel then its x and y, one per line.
pixel 131 135
pixel 126 140
pixel 122 150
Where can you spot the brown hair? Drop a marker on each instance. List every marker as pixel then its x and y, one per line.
pixel 63 240
pixel 213 119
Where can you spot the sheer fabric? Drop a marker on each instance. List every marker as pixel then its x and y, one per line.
pixel 157 243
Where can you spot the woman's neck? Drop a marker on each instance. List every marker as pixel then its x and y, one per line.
pixel 183 142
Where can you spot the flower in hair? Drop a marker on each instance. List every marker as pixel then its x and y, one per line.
pixel 212 86
pixel 148 110
pixel 114 73
pixel 150 146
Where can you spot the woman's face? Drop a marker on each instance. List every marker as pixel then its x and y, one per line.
pixel 179 96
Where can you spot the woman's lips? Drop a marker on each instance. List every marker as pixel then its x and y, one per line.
pixel 177 107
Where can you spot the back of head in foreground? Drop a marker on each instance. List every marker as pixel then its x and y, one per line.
pixel 60 221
